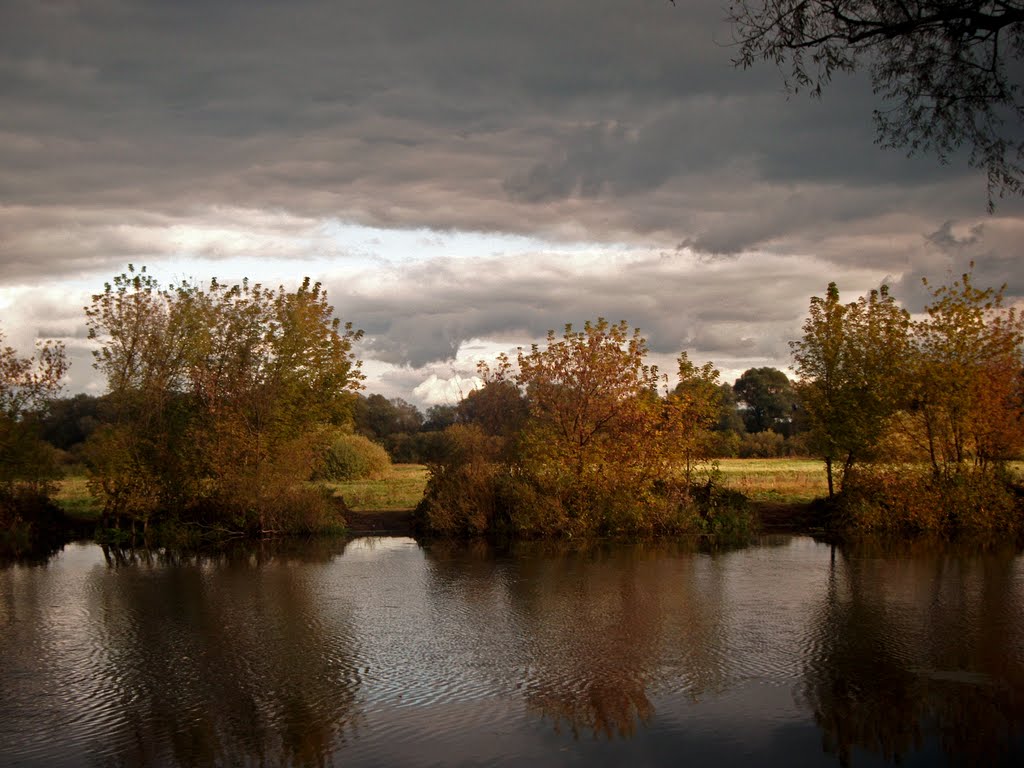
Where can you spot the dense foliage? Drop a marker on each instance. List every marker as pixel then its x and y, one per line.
pixel 224 399
pixel 27 464
pixel 921 415
pixel 851 361
pixel 575 438
pixel 353 457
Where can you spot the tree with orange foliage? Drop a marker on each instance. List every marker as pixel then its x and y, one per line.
pixel 967 378
pixel 586 394
pixel 27 464
pixel 598 450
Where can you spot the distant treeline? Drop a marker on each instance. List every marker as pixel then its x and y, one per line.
pixel 758 417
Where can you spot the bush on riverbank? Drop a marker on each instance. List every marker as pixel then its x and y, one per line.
pixel 913 499
pixel 223 400
pixel 491 498
pixel 483 487
pixel 353 457
pixel 575 439
pixel 31 523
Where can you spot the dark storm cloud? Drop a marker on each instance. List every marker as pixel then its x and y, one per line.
pixel 145 130
pixel 596 119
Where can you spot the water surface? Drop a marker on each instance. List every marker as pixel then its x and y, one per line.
pixel 383 652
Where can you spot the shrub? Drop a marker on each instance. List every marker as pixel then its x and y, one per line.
pixel 353 457
pixel 465 494
pixel 722 512
pixel 724 444
pixel 910 499
pixel 761 445
pixel 416 447
pixel 476 491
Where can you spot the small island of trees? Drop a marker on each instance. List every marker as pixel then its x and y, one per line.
pixel 226 406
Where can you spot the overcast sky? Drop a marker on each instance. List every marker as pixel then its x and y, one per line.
pixel 461 175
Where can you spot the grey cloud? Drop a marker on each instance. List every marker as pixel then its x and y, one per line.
pixel 996 248
pixel 604 120
pixel 944 238
pixel 601 121
pixel 422 314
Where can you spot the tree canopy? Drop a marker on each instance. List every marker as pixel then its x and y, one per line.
pixel 27 384
pixel 947 71
pixel 929 410
pixel 851 363
pixel 967 391
pixel 579 435
pixel 222 395
pixel 769 398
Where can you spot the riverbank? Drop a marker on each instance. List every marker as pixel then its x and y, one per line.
pixel 782 494
pixel 785 495
pixel 798 517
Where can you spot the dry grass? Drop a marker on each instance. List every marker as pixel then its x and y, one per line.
pixel 777 480
pixel 74 498
pixel 402 488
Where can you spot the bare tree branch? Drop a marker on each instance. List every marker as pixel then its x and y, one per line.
pixel 939 66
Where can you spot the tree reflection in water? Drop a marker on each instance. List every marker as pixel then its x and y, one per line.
pixel 225 658
pixel 275 654
pixel 889 670
pixel 596 630
pixel 591 622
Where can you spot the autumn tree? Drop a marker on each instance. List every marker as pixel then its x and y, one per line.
pixel 497 406
pixel 145 458
pixel 967 397
pixel 272 371
pixel 579 436
pixel 600 433
pixel 694 409
pixel 947 71
pixel 851 365
pixel 222 395
pixel 585 393
pixel 27 385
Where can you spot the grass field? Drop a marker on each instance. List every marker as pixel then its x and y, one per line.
pixel 776 480
pixel 402 488
pixel 771 480
pixel 779 480
pixel 73 497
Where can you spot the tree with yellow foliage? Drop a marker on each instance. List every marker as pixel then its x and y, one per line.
pixel 223 397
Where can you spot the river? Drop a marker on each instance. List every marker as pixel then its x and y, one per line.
pixel 386 652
